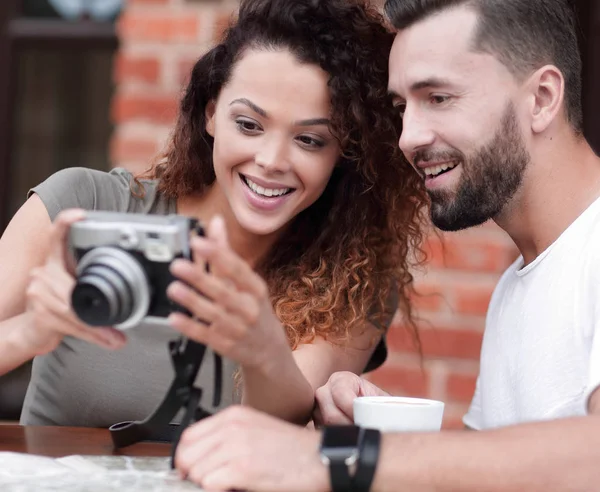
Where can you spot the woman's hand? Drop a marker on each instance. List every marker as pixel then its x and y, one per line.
pixel 233 314
pixel 49 297
pixel 335 400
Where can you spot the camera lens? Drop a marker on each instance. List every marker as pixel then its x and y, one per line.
pixel 103 296
pixel 111 289
pixel 92 304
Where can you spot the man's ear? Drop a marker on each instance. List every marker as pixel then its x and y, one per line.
pixel 209 114
pixel 547 87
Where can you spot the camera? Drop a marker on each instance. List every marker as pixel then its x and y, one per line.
pixel 122 270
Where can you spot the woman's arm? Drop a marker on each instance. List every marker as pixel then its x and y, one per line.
pixel 233 315
pixel 287 385
pixel 14 349
pixel 35 309
pixel 23 247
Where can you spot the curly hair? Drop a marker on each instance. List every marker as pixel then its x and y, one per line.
pixel 348 254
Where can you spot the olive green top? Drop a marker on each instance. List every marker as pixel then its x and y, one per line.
pixel 81 384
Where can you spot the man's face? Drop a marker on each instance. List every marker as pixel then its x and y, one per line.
pixel 461 129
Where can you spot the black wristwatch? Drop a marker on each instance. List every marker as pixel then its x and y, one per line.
pixel 351 453
pixel 368 456
pixel 339 451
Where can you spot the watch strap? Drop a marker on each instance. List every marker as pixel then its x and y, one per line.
pixel 367 460
pixel 339 477
pixel 339 451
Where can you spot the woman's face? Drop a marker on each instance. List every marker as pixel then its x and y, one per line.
pixel 273 151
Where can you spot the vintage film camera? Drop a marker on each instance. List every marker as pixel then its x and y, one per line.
pixel 122 275
pixel 123 266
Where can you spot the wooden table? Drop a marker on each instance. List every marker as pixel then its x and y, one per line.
pixel 64 441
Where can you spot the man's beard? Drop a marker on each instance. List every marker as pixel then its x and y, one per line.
pixel 489 179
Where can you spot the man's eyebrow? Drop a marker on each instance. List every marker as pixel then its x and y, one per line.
pixel 251 105
pixel 430 83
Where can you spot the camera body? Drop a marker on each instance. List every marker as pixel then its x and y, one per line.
pixel 123 261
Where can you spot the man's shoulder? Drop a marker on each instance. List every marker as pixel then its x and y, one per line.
pixel 510 274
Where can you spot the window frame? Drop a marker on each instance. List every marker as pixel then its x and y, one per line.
pixel 19 32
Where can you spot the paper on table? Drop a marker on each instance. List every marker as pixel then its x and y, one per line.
pixel 30 473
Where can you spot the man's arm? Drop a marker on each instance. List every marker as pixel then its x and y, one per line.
pixel 558 455
pixel 240 448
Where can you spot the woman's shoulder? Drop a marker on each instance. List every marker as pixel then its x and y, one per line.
pixel 83 178
pixel 91 189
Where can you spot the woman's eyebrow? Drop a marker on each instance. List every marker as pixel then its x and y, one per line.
pixel 313 122
pixel 251 105
pixel 264 114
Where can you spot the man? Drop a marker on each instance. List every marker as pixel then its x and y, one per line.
pixel 490 92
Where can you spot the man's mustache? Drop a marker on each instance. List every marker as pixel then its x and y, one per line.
pixel 430 155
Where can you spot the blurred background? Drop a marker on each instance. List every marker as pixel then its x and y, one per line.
pixel 96 83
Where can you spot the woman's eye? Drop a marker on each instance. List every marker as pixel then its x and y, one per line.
pixel 311 142
pixel 247 126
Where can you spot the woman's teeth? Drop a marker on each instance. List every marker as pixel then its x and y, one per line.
pixel 268 192
pixel 435 170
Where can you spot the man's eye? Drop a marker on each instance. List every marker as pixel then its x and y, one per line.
pixel 401 108
pixel 438 99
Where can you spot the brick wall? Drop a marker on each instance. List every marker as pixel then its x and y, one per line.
pixel 159 42
pixel 160 39
pixel 455 289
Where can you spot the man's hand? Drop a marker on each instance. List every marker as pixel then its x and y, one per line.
pixel 241 448
pixel 335 400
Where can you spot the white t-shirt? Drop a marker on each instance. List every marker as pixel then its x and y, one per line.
pixel 540 357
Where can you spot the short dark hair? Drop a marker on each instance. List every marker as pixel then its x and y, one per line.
pixel 523 34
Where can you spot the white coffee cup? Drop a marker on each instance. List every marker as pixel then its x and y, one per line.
pixel 398 413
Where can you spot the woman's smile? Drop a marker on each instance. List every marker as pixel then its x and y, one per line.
pixel 268 197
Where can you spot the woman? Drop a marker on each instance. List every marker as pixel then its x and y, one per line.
pixel 286 147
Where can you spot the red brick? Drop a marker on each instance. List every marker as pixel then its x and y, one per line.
pixel 132 149
pixel 460 387
pixel 428 297
pixel 468 253
pixel 221 23
pixel 443 342
pixel 452 423
pixel 184 69
pixel 453 414
pixel 472 299
pixel 137 69
pixel 160 109
pixel 158 26
pixel 401 381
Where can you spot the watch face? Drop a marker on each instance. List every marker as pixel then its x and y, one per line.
pixel 340 436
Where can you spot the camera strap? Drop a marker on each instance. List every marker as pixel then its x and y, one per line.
pixel 186 357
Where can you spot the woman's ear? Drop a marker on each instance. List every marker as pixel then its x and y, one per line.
pixel 209 114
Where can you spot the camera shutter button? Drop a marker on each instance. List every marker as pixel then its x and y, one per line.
pixel 128 238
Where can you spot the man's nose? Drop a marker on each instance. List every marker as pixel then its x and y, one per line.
pixel 416 133
pixel 272 155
